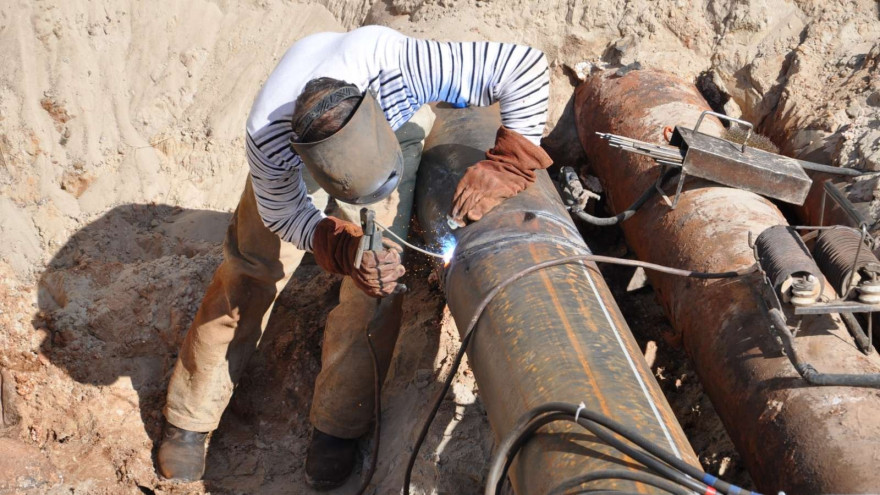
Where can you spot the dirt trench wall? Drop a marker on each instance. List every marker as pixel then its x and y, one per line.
pixel 121 157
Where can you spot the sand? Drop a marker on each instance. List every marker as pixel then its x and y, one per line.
pixel 121 159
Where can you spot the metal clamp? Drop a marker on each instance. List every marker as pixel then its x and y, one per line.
pixel 721 116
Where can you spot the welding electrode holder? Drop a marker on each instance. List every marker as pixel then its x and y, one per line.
pixel 371 241
pixel 372 238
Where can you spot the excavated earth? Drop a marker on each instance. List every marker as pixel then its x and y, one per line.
pixel 121 138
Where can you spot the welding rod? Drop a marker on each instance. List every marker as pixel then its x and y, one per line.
pixel 642 148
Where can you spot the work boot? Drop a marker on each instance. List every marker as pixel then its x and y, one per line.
pixel 182 454
pixel 330 460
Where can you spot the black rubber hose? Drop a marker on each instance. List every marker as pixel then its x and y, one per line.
pixel 857 332
pixel 377 413
pixel 629 212
pixel 638 455
pixel 469 330
pixel 496 470
pixel 807 371
pixel 524 428
pixel 611 492
pixel 620 474
pixel 828 169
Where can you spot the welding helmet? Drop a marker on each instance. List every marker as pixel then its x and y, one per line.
pixel 361 163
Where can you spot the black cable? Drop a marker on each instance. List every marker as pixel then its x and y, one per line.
pixel 611 492
pixel 468 333
pixel 629 212
pixel 525 427
pixel 585 418
pixel 828 169
pixel 620 474
pixel 807 371
pixel 377 413
pixel 857 332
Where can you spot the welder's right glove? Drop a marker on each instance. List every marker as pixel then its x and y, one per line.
pixel 509 168
pixel 335 246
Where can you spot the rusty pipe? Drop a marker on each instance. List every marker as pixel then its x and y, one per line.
pixel 556 335
pixel 792 436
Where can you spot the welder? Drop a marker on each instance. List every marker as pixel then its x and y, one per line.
pixel 340 124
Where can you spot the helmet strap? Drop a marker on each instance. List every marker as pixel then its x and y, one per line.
pixel 323 106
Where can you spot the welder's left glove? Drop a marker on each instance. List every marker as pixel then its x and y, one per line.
pixel 509 168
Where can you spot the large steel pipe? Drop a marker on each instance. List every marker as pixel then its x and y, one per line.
pixel 793 437
pixel 555 335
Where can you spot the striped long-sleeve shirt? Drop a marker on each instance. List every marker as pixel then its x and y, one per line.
pixel 405 73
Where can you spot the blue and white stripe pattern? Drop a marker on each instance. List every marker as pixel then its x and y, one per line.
pixel 404 73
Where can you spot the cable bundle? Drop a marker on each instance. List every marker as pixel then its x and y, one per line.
pixel 670 473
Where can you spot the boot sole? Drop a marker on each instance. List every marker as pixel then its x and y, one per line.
pixel 324 485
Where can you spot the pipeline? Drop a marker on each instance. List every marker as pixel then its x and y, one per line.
pixel 792 436
pixel 554 335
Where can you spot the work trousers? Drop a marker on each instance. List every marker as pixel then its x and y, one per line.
pixel 256 266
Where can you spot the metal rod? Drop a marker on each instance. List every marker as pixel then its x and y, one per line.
pixel 844 204
pixel 829 169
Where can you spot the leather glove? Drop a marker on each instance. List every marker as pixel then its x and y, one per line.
pixel 509 168
pixel 335 246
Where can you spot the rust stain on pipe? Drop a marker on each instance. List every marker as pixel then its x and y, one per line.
pixel 792 436
pixel 555 335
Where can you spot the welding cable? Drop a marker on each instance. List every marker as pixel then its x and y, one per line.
pixel 829 169
pixel 469 330
pixel 411 246
pixel 377 414
pixel 617 261
pixel 629 212
pixel 528 424
pixel 620 474
pixel 807 371
pixel 857 332
pixel 611 492
pixel 689 476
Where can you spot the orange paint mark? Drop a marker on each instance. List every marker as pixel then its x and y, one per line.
pixel 575 344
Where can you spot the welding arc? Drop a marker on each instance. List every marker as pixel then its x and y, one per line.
pixel 411 246
pixel 472 324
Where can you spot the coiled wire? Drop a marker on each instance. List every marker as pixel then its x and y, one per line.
pixel 835 251
pixel 784 257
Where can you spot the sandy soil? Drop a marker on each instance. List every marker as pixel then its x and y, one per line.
pixel 121 159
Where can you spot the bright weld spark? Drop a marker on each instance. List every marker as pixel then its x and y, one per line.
pixel 447 245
